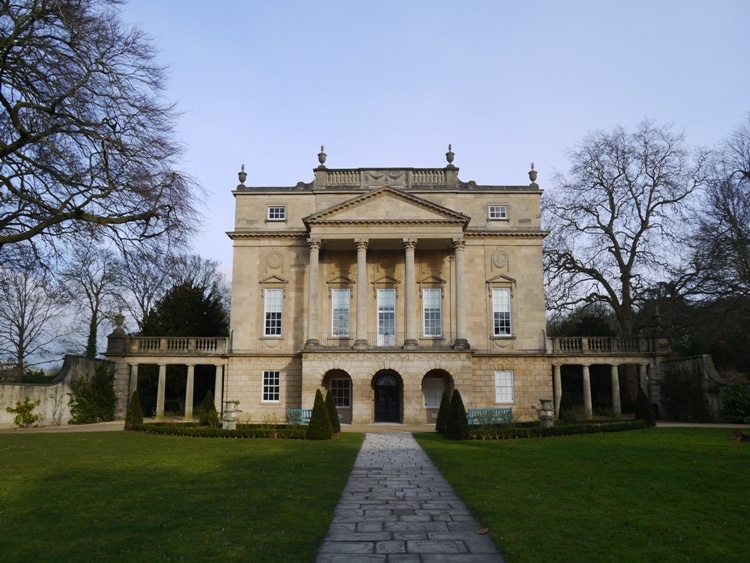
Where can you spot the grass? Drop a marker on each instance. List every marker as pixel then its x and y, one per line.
pixel 125 496
pixel 678 494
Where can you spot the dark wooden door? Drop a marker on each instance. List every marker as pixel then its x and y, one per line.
pixel 387 399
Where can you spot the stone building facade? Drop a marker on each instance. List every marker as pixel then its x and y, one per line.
pixel 385 286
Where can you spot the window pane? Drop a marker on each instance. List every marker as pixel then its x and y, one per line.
pixel 271 385
pixel 504 386
pixel 433 392
pixel 340 309
pixel 341 389
pixel 501 312
pixel 386 317
pixel 276 213
pixel 498 212
pixel 273 303
pixel 431 300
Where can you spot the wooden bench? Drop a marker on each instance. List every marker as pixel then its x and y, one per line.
pixel 298 416
pixel 489 416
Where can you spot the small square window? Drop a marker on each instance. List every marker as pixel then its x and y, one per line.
pixel 497 212
pixel 277 213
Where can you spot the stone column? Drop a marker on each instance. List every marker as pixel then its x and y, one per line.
pixel 643 379
pixel 219 386
pixel 461 343
pixel 133 379
pixel 587 391
pixel 312 296
pixel 410 314
pixel 616 405
pixel 557 382
pixel 189 392
pixel 361 340
pixel 161 389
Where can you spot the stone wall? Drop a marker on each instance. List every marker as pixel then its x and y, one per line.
pixel 54 408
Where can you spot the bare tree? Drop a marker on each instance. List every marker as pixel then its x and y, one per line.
pixel 29 309
pixel 723 239
pixel 616 221
pixel 144 278
pixel 149 272
pixel 86 144
pixel 92 277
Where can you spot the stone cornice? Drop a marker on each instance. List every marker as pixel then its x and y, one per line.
pixel 505 234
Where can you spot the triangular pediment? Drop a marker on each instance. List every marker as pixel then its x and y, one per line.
pixel 501 278
pixel 386 205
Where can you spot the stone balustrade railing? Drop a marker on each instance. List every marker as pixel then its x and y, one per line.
pixel 177 345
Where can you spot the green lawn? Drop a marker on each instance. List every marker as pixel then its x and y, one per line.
pixel 125 496
pixel 678 494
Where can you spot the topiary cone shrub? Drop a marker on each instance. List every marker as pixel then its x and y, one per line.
pixel 320 424
pixel 441 424
pixel 643 410
pixel 134 416
pixel 333 414
pixel 209 416
pixel 458 425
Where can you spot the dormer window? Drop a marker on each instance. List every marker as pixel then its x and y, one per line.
pixel 276 213
pixel 497 212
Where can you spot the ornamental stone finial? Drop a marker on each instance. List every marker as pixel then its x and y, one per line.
pixel 532 176
pixel 242 175
pixel 449 156
pixel 322 157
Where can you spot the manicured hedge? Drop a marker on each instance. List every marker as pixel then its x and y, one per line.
pixel 280 431
pixel 515 431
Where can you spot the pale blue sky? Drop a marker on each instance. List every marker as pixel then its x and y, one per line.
pixel 392 83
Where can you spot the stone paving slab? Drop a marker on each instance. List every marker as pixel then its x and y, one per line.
pixel 398 508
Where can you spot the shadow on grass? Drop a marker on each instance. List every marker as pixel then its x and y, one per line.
pixel 136 497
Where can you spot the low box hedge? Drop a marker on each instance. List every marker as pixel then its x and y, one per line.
pixel 280 431
pixel 533 430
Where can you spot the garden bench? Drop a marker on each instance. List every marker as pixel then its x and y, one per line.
pixel 489 416
pixel 298 416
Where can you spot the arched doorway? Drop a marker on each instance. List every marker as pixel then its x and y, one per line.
pixel 387 387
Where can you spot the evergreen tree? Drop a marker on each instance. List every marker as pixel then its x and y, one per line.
pixel 333 414
pixel 320 424
pixel 209 416
pixel 458 425
pixel 134 416
pixel 643 410
pixel 187 310
pixel 441 425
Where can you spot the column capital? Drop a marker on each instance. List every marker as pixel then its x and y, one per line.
pixel 459 243
pixel 410 243
pixel 361 243
pixel 314 243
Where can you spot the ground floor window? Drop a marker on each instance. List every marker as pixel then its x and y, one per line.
pixel 504 386
pixel 342 392
pixel 433 392
pixel 271 386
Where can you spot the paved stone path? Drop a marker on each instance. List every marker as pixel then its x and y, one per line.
pixel 398 508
